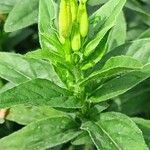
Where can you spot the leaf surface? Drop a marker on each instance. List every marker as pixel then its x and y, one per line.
pixel 23 14
pixel 39 92
pixel 144 125
pixel 103 20
pixel 7 5
pixel 18 69
pixel 24 115
pixel 114 66
pixel 42 134
pixel 115 131
pixel 138 49
pixel 119 85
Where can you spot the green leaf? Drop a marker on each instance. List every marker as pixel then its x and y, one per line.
pixel 145 34
pixel 47 12
pixel 135 5
pixel 120 61
pixel 45 54
pixel 47 31
pixel 141 10
pixel 134 33
pixel 96 56
pixel 131 4
pixel 115 131
pixel 144 125
pixel 22 15
pixel 114 66
pixel 119 85
pixel 39 92
pixel 134 101
pixel 26 114
pixel 96 2
pixel 6 87
pixel 7 5
pixel 82 139
pixel 138 49
pixel 49 41
pixel 118 33
pixel 41 134
pixel 146 1
pixel 97 109
pixel 105 19
pixel 15 38
pixel 63 69
pixel 18 69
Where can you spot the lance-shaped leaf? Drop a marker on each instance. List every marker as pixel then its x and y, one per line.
pixel 100 50
pixel 7 5
pixel 22 15
pixel 24 115
pixel 82 138
pixel 42 134
pixel 48 55
pixel 62 68
pixel 114 66
pixel 96 2
pixel 134 101
pixel 136 6
pixel 115 131
pixel 115 38
pixel 39 92
pixel 131 4
pixel 103 20
pixel 47 31
pixel 18 69
pixel 119 85
pixel 138 49
pixel 144 125
pixel 47 12
pixel 145 34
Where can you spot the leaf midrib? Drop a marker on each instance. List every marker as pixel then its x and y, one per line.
pixel 109 136
pixel 17 71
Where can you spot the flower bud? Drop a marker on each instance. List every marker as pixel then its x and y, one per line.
pixel 76 38
pixel 82 1
pixel 74 9
pixel 65 21
pixel 62 39
pixel 83 19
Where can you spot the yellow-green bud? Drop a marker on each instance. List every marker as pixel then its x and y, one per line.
pixel 69 17
pixel 62 39
pixel 83 19
pixel 82 1
pixel 65 21
pixel 76 39
pixel 74 9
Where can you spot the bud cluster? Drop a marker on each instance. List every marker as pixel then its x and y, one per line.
pixel 73 22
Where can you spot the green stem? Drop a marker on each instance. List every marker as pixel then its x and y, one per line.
pixel 80 90
pixel 67 48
